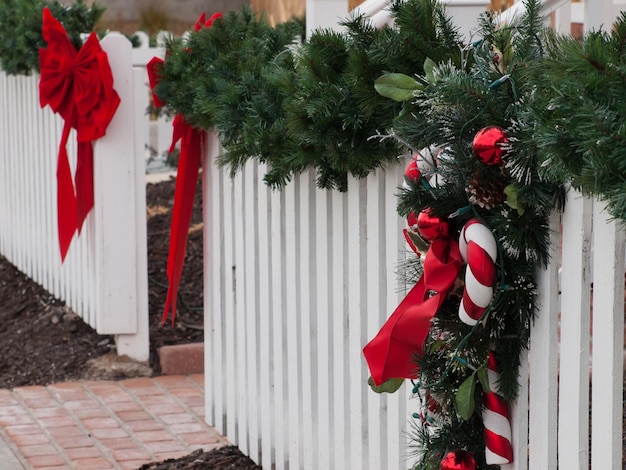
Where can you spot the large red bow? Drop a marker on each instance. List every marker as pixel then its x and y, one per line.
pixel 78 86
pixel 392 352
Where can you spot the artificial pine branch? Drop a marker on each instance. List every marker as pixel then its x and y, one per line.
pixel 579 113
pixel 309 106
pixel 491 85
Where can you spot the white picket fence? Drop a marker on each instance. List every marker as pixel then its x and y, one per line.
pixel 296 283
pixel 104 277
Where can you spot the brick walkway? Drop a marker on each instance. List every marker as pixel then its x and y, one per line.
pixel 106 424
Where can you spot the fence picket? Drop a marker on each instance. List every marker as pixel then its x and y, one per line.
pixel 356 374
pixel 251 316
pixel 30 139
pixel 290 220
pixel 374 306
pixel 573 438
pixel 608 347
pixel 323 308
pixel 268 429
pixel 543 358
pixel 308 327
pixel 338 241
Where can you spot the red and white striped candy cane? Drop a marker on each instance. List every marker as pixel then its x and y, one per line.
pixel 479 251
pixel 497 421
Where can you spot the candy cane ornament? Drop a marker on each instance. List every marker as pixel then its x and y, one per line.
pixel 479 250
pixel 496 420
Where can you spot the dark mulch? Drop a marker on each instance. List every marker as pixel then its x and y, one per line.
pixel 43 342
pixel 224 458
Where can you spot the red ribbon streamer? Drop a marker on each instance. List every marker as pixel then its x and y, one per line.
pixel 192 142
pixel 391 353
pixel 78 86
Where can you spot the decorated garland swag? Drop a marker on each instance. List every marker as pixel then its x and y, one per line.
pixel 477 208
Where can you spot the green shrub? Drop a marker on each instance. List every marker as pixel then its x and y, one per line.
pixel 20 30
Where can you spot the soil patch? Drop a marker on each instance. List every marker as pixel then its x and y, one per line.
pixel 224 458
pixel 43 342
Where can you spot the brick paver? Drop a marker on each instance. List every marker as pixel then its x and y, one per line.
pixel 109 425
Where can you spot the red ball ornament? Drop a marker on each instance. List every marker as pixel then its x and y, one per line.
pixel 431 227
pixel 489 144
pixel 458 460
pixel 412 171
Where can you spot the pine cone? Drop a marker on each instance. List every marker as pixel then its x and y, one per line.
pixel 486 189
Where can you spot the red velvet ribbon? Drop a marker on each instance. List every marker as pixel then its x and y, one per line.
pixel 192 143
pixel 204 23
pixel 78 86
pixel 391 354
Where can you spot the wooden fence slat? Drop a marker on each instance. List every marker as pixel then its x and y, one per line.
pixel 356 374
pixel 374 306
pixel 214 296
pixel 338 242
pixel 574 353
pixel 608 347
pixel 290 220
pixel 308 326
pixel 323 307
pixel 230 403
pixel 543 357
pixel 394 406
pixel 278 328
pixel 251 248
pixel 240 216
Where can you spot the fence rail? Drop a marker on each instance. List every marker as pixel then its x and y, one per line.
pixel 104 277
pixel 297 281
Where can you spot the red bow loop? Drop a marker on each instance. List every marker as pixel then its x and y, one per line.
pixel 391 353
pixel 154 77
pixel 79 87
pixel 204 23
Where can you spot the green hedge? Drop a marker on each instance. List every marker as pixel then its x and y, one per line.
pixel 20 30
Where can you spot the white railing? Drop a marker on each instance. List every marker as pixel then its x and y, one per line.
pixel 104 277
pixel 298 281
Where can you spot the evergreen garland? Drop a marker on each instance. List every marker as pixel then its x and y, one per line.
pixel 20 30
pixel 493 86
pixel 299 106
pixel 581 124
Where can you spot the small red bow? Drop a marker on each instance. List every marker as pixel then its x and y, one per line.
pixel 78 86
pixel 204 23
pixel 192 142
pixel 391 354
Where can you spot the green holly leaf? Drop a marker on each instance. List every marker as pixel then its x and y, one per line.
pixel 421 244
pixel 429 70
pixel 483 378
pixel 464 399
pixel 511 199
pixel 397 86
pixel 390 386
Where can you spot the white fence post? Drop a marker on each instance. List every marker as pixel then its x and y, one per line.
pixel 325 14
pixel 608 333
pixel 575 309
pixel 119 212
pixel 543 358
